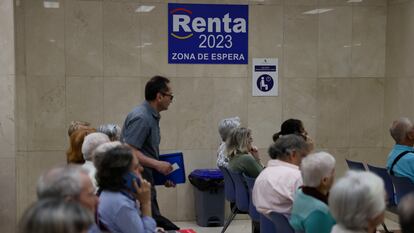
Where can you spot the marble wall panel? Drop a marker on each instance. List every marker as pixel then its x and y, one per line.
pixel 193 118
pixel 300 102
pixel 264 119
pixel 335 42
pixel 83 37
pixel 46 106
pixel 398 96
pixel 7 63
pixel 366 115
pixel 45 52
pixel 368 41
pixel 266 21
pixel 21 113
pixel 7 115
pixel 85 99
pixel 121 95
pixel 394 41
pixel 333 113
pixel 154 43
pixel 8 200
pixel 19 38
pixel 300 42
pixel 22 170
pixel 121 38
pixel 323 3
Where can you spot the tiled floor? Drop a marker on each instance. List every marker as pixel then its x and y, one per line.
pixel 244 226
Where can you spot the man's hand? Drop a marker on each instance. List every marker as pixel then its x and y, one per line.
pixel 164 167
pixel 169 184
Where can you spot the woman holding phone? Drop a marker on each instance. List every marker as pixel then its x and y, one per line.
pixel 125 198
pixel 244 157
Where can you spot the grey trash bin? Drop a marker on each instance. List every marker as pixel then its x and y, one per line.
pixel 208 196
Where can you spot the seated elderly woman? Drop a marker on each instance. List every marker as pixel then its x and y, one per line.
pixel 225 127
pixel 310 211
pixel 74 153
pixel 243 156
pixel 55 215
pixel 90 143
pixel 357 202
pixel 121 184
pixel 112 130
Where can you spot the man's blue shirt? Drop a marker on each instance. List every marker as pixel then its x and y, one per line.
pixel 405 166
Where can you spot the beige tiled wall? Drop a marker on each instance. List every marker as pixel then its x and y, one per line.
pixel 399 82
pixel 90 60
pixel 7 118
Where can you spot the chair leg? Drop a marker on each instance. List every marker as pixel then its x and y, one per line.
pixel 385 228
pixel 231 217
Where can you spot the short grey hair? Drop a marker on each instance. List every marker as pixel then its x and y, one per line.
pixel 61 182
pixel 55 215
pixel 226 125
pixel 406 213
pixel 356 198
pixel 112 130
pixel 315 167
pixel 286 145
pixel 400 128
pixel 101 150
pixel 91 142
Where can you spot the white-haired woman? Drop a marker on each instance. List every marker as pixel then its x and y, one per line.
pixel 90 143
pixel 310 211
pixel 357 202
pixel 225 127
pixel 243 156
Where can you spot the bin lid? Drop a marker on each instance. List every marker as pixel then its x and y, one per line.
pixel 207 173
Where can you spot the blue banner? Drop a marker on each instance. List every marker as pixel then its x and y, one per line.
pixel 207 34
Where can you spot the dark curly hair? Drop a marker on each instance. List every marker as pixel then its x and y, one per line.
pixel 290 126
pixel 113 165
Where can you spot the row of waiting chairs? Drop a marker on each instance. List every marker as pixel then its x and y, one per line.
pixel 396 187
pixel 238 191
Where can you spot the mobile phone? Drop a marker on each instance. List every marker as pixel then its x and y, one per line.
pixel 129 178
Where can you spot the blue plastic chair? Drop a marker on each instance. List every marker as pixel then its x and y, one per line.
pixel 389 187
pixel 230 193
pixel 403 186
pixel 282 224
pixel 254 215
pixel 266 225
pixel 242 194
pixel 354 165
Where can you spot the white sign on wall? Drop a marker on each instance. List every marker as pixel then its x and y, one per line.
pixel 265 80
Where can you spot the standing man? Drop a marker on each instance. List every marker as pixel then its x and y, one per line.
pixel 141 131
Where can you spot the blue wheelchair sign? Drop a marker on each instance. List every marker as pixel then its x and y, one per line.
pixel 265 83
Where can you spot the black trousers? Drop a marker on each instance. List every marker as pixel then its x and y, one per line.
pixel 156 214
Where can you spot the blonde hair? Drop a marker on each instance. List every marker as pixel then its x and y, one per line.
pixel 238 141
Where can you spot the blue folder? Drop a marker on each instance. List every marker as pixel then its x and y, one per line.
pixel 177 176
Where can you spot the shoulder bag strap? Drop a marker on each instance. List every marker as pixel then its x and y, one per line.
pixel 396 160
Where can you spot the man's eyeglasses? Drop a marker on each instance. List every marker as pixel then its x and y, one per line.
pixel 169 95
